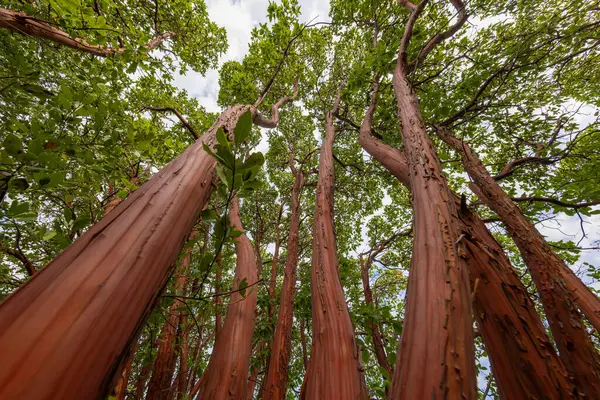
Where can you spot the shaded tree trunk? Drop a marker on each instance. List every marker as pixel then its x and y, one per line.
pixel 568 330
pixel 54 327
pixel 522 357
pixel 436 356
pixel 164 365
pixel 121 387
pixel 226 376
pixel 276 378
pixel 333 370
pixel 218 298
pixel 378 346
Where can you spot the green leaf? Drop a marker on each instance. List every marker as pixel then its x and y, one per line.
pixel 19 184
pixel 242 287
pixel 222 176
pixel 222 138
pixel 49 235
pixel 243 128
pixel 209 215
pixel 81 223
pixel 12 144
pixel 254 160
pixel 233 233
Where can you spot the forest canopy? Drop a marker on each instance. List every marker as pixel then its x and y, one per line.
pixel 396 200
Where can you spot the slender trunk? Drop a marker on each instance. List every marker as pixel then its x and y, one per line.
pixel 436 356
pixel 334 370
pixel 303 344
pixel 274 262
pixel 226 376
pixel 121 388
pixel 574 344
pixel 253 379
pixel 522 357
pixel 378 346
pixel 276 379
pixel 140 384
pixel 54 327
pixel 183 357
pixel 166 357
pixel 218 298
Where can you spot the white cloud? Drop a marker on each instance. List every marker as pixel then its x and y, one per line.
pixel 238 18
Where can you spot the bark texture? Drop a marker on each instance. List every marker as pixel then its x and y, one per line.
pixel 53 329
pixel 28 25
pixel 522 357
pixel 276 378
pixel 334 370
pixel 436 356
pixel 378 346
pixel 547 271
pixel 164 365
pixel 226 376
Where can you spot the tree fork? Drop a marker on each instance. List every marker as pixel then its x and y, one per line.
pixel 522 357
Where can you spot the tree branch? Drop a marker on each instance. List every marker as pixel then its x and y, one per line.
pixel 184 121
pixel 31 26
pixel 272 123
pixel 555 201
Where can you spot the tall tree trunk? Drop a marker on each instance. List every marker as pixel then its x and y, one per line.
pixel 183 356
pixel 378 346
pixel 54 327
pixel 166 357
pixel 276 379
pixel 436 356
pixel 303 344
pixel 121 387
pixel 334 370
pixel 218 298
pixel 547 269
pixel 226 376
pixel 521 355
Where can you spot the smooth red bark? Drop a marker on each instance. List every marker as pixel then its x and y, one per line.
pixel 166 357
pixel 226 376
pixel 53 329
pixel 276 378
pixel 334 370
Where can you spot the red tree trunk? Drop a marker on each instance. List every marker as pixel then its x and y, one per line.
pixel 166 357
pixel 54 328
pixel 334 370
pixel 523 360
pixel 121 387
pixel 378 346
pixel 436 357
pixel 226 376
pixel 276 378
pixel 574 344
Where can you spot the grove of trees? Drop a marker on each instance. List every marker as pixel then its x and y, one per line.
pixel 391 241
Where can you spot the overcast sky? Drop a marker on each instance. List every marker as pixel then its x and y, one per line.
pixel 240 16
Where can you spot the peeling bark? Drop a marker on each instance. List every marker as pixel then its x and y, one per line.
pixel 548 272
pixel 276 378
pixel 226 376
pixel 334 370
pixel 522 357
pixel 53 329
pixel 436 357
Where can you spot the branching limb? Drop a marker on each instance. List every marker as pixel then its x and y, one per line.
pixel 259 120
pixel 31 26
pixel 557 202
pixel 184 121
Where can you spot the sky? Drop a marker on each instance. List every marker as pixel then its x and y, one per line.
pixel 238 17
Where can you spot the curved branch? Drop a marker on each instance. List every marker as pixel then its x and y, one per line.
pixel 18 254
pixel 555 201
pixel 408 30
pixel 31 26
pixel 408 4
pixel 259 120
pixel 184 121
pixel 448 33
pixel 511 167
